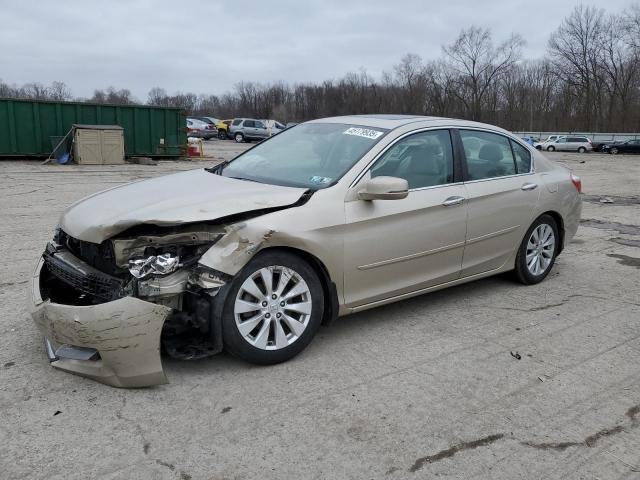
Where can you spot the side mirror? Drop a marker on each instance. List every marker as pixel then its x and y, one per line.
pixel 384 188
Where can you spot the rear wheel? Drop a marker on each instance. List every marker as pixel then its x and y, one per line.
pixel 239 137
pixel 222 135
pixel 551 148
pixel 538 250
pixel 582 150
pixel 273 309
pixel 613 151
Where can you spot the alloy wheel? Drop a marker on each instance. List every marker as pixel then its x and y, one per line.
pixel 540 249
pixel 272 308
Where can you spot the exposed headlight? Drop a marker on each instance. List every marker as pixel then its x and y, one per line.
pixel 154 265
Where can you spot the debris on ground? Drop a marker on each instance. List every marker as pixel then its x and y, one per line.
pixel 516 355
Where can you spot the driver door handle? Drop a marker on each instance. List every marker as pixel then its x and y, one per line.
pixel 452 201
pixel 529 186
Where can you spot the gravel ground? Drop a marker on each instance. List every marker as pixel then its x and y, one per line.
pixel 420 388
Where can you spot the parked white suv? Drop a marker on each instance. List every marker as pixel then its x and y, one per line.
pixel 569 143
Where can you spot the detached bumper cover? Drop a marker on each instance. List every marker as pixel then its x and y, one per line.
pixel 125 332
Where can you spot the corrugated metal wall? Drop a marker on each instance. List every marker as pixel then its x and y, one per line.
pixel 27 126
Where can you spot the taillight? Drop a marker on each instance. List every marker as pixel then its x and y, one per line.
pixel 576 182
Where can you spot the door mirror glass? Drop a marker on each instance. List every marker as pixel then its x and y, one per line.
pixel 384 188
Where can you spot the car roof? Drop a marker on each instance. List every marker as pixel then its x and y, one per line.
pixel 391 122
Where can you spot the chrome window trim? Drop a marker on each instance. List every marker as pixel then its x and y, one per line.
pixel 498 178
pixel 393 143
pixel 527 147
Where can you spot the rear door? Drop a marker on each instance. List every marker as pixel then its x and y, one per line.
pixel 248 127
pixel 574 143
pixel 502 194
pixel 261 130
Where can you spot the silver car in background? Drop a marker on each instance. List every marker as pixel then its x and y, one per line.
pixel 569 143
pixel 248 129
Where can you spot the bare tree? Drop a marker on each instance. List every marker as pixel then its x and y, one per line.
pixel 574 47
pixel 632 25
pixel 59 91
pixel 478 64
pixel 158 96
pixel 36 91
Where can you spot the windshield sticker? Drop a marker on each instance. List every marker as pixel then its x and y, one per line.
pixel 318 180
pixel 363 132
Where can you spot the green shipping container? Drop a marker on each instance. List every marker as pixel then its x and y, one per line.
pixel 29 127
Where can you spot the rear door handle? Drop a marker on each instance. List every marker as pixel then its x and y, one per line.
pixel 529 186
pixel 452 201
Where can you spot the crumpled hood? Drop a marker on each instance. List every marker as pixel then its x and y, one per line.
pixel 180 198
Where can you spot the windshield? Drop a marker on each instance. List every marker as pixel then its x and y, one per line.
pixel 311 155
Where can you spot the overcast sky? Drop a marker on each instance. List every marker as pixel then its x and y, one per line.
pixel 206 46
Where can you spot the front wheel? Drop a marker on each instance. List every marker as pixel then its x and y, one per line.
pixel 582 150
pixel 273 308
pixel 538 250
pixel 551 148
pixel 239 137
pixel 222 135
pixel 613 151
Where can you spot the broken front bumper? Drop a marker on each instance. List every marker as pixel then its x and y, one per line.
pixel 117 342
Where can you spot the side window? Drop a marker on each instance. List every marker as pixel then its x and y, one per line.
pixel 236 122
pixel 424 159
pixel 523 157
pixel 561 140
pixel 259 124
pixel 488 155
pixel 248 123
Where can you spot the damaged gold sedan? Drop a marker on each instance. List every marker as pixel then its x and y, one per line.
pixel 327 218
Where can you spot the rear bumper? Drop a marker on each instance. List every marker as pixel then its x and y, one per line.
pixel 125 333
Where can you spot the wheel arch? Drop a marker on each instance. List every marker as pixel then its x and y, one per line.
pixel 559 223
pixel 329 290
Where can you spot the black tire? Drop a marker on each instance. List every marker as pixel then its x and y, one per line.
pixel 238 137
pixel 236 344
pixel 613 151
pixel 522 271
pixel 222 135
pixel 582 150
pixel 551 148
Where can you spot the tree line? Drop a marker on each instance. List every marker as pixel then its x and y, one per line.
pixel 588 80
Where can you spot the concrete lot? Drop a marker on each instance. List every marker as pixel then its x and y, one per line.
pixel 420 388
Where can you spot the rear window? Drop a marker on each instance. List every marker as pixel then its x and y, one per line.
pixel 236 121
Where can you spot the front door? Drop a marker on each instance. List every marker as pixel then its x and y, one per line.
pixel 393 247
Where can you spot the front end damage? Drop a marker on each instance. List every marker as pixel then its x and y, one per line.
pixel 107 310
